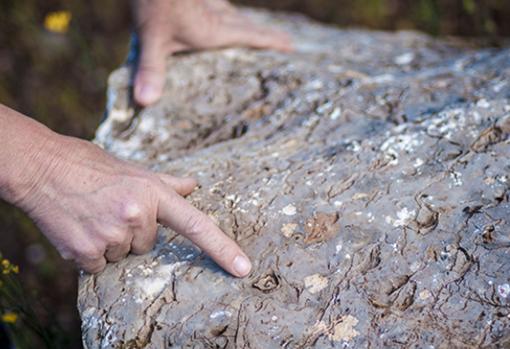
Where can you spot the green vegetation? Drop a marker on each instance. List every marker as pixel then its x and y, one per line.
pixel 18 316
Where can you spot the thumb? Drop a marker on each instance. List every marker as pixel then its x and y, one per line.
pixel 150 73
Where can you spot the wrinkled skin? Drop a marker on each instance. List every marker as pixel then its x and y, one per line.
pixel 95 208
pixel 169 26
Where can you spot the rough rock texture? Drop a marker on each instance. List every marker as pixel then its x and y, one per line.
pixel 366 175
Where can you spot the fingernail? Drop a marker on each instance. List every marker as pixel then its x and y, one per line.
pixel 148 94
pixel 242 265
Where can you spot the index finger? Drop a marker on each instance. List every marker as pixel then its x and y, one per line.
pixel 178 214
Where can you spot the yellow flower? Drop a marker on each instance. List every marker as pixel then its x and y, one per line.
pixel 58 22
pixel 5 263
pixel 9 318
pixel 8 267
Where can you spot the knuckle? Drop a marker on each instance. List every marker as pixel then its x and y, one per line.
pixel 98 268
pixel 91 252
pixel 222 250
pixel 132 212
pixel 141 249
pixel 195 226
pixel 94 268
pixel 115 237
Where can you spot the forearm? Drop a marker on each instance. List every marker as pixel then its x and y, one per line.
pixel 26 150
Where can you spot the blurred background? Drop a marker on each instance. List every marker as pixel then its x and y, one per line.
pixel 55 57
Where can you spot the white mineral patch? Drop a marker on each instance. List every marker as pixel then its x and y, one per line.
pixel 335 113
pixel 354 146
pixel 394 145
pixel 404 58
pixel 381 79
pixel 110 339
pixel 477 117
pixel 89 318
pixel 315 283
pixel 400 128
pixel 406 142
pixel 425 294
pixel 482 103
pixel 489 180
pixel 446 123
pixel 220 314
pixel 360 196
pixel 315 84
pixel 289 210
pixel 456 178
pixel 234 198
pixel 338 203
pixel 288 229
pixel 404 216
pixel 147 124
pixel 153 286
pixel 344 330
pixel 147 271
pixel 504 290
pixel 322 108
pixel 415 266
pixel 418 163
pixel 166 270
pixel 119 115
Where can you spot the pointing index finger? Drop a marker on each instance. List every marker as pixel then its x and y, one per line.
pixel 177 213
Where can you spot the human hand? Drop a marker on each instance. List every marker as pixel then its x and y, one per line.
pixel 165 27
pixel 95 208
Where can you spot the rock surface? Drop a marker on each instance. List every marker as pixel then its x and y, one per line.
pixel 366 175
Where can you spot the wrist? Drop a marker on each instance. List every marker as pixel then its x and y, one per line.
pixel 30 154
pixel 34 173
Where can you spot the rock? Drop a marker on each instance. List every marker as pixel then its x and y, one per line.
pixel 366 175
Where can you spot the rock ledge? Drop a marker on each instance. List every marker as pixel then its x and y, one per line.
pixel 366 175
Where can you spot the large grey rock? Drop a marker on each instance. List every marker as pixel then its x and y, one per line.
pixel 366 175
